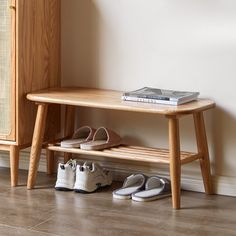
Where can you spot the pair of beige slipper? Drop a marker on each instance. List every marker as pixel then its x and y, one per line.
pixel 88 138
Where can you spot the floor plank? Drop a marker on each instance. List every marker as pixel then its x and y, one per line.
pixel 44 211
pixel 10 231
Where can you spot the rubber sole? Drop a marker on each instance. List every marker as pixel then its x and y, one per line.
pixel 83 191
pixel 87 192
pixel 63 189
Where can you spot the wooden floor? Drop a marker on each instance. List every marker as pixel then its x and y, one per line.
pixel 44 211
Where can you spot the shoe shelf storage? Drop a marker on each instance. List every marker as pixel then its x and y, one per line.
pixel 134 153
pixel 109 99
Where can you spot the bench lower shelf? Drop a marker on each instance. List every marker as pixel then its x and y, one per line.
pixel 135 153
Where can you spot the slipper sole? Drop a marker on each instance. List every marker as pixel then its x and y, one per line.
pixel 121 197
pixel 148 199
pixel 88 147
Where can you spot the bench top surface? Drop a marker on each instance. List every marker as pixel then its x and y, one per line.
pixel 110 99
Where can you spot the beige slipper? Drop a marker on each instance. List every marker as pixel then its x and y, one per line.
pixel 103 138
pixel 82 135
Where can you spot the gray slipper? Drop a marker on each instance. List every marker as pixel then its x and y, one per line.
pixel 132 184
pixel 155 188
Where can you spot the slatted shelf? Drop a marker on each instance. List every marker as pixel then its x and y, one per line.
pixel 135 153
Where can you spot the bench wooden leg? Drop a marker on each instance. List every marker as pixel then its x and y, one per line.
pixel 38 136
pixel 14 164
pixel 69 127
pixel 203 150
pixel 50 161
pixel 175 165
pixel 67 157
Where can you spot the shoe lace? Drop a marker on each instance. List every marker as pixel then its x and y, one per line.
pixel 72 163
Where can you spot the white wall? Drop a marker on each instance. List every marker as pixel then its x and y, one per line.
pixel 174 44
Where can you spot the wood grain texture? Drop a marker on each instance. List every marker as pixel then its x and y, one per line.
pixel 175 166
pixel 46 212
pixel 4 147
pixel 124 152
pixel 110 99
pixel 35 59
pixel 37 141
pixel 14 164
pixel 69 124
pixel 203 150
pixel 50 161
pixel 69 127
pixel 38 61
pixel 7 142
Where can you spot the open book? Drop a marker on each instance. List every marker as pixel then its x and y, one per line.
pixel 162 96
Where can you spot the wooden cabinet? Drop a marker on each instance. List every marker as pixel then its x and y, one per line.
pixel 29 61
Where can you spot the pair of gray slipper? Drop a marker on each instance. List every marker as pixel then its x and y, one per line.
pixel 142 188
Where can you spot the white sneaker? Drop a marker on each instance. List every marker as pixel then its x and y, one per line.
pixel 66 176
pixel 90 177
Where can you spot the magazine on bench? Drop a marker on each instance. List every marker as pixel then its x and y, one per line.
pixel 161 96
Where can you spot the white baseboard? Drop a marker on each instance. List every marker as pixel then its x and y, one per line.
pixel 222 185
pixel 24 160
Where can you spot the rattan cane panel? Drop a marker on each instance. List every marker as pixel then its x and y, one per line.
pixel 5 68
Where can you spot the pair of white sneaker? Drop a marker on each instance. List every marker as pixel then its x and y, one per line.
pixel 84 178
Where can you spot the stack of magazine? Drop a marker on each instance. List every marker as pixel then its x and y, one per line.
pixel 162 96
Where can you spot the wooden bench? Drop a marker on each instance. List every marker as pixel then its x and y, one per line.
pixel 108 99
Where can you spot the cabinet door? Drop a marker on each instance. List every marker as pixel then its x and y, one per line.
pixel 7 70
